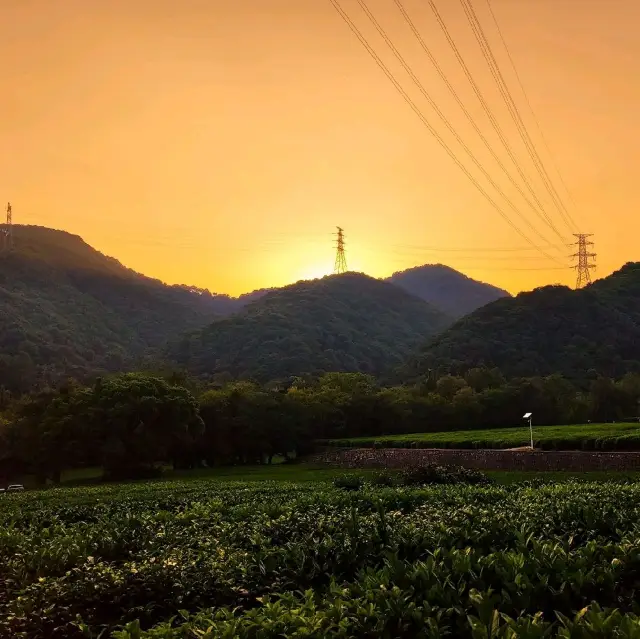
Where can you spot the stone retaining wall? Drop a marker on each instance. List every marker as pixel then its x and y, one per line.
pixel 486 459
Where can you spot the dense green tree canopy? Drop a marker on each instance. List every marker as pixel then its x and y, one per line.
pixel 66 309
pixel 122 423
pixel 580 334
pixel 350 323
pixel 134 424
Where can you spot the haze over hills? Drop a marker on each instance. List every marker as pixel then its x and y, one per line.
pixel 578 333
pixel 348 322
pixel 447 289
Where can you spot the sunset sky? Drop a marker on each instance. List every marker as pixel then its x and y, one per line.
pixel 220 143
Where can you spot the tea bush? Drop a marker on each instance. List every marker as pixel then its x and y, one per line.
pixel 437 474
pixel 205 559
pixel 348 482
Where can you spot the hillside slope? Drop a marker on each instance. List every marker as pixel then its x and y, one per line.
pixel 345 322
pixel 447 289
pixel 550 330
pixel 66 309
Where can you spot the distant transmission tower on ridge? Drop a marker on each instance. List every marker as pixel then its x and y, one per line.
pixel 341 259
pixel 584 257
pixel 7 231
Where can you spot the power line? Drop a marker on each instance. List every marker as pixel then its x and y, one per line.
pixel 540 211
pixel 542 268
pixel 427 124
pixel 341 258
pixel 533 114
pixel 448 124
pixel 473 249
pixel 485 106
pixel 499 258
pixel 512 107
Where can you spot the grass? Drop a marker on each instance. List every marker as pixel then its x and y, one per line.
pixel 303 473
pixel 518 476
pixel 574 437
pixel 296 473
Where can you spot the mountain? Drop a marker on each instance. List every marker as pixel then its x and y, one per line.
pixel 348 322
pixel 595 330
pixel 66 309
pixel 447 289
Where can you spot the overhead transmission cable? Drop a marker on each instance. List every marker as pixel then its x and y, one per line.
pixel 540 210
pixel 541 268
pixel 420 86
pixel 485 106
pixel 514 111
pixel 526 97
pixel 493 258
pixel 471 249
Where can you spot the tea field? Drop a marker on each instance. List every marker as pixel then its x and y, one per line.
pixel 215 559
pixel 620 436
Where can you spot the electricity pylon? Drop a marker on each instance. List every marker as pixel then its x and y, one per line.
pixel 584 257
pixel 341 258
pixel 7 231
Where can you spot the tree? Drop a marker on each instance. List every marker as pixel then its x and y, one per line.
pixel 449 385
pixel 142 420
pixel 629 386
pixel 466 406
pixel 480 379
pixel 605 399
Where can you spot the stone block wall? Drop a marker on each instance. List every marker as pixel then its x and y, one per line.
pixel 485 459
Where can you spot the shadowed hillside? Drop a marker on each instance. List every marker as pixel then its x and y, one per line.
pixel 447 289
pixel 66 309
pixel 345 322
pixel 550 330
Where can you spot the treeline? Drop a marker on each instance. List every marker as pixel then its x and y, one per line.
pixel 132 424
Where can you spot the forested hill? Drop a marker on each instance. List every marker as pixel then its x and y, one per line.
pixel 68 310
pixel 347 322
pixel 447 289
pixel 595 330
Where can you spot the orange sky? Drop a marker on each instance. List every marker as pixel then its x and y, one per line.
pixel 220 143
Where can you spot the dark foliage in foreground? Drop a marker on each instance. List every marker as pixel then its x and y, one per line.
pixel 437 474
pixel 209 560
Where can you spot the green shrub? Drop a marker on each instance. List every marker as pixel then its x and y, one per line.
pixel 348 482
pixel 383 479
pixel 436 474
pixel 203 558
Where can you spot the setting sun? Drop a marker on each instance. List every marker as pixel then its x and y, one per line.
pixel 316 271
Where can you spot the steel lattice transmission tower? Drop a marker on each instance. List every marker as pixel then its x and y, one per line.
pixel 584 257
pixel 7 231
pixel 341 258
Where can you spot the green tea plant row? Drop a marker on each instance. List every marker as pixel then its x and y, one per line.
pixel 604 437
pixel 205 559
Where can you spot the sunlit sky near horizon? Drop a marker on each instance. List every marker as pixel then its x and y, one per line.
pixel 220 143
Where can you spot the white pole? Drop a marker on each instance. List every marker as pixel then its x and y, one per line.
pixel 531 431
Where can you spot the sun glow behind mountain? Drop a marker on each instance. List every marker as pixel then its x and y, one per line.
pixel 229 170
pixel 316 271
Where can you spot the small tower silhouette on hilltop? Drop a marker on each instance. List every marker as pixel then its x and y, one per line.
pixel 341 258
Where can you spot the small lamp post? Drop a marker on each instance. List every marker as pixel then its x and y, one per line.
pixel 528 417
